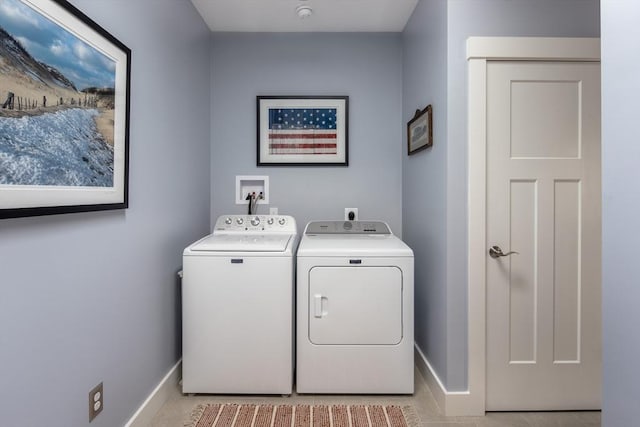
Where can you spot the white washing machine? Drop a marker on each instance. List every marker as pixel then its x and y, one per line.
pixel 238 307
pixel 354 309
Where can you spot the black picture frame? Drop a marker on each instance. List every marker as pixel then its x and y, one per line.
pixel 82 167
pixel 319 135
pixel 420 130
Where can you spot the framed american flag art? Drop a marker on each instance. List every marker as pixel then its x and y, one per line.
pixel 303 130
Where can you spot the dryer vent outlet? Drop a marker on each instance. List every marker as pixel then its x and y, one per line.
pixel 350 214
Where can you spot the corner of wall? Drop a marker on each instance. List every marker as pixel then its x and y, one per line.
pixel 450 403
pixel 165 389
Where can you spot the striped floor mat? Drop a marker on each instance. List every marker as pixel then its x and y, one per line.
pixel 233 415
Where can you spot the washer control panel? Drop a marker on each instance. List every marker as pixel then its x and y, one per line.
pixel 347 227
pixel 254 223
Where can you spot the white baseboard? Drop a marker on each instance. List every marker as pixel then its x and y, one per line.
pixel 157 398
pixel 451 403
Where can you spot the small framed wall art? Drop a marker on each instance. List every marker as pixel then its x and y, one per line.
pixel 64 112
pixel 303 130
pixel 420 130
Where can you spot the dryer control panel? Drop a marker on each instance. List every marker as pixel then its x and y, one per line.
pixel 257 223
pixel 347 227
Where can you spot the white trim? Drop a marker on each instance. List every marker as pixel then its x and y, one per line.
pixel 480 50
pixel 477 232
pixel 163 391
pixel 534 48
pixel 451 403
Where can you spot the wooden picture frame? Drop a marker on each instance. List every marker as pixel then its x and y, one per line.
pixel 420 130
pixel 64 112
pixel 302 130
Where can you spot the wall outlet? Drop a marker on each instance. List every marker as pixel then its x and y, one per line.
pixel 350 214
pixel 96 401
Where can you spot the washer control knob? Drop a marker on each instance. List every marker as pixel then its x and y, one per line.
pixel 281 221
pixel 239 221
pixel 255 221
pixel 228 221
pixel 270 221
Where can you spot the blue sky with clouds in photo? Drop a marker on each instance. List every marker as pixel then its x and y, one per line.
pixel 49 43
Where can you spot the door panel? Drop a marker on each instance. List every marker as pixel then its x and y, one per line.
pixel 545 122
pixel 566 277
pixel 355 305
pixel 522 272
pixel 543 201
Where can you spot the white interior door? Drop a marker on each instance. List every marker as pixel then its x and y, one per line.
pixel 543 201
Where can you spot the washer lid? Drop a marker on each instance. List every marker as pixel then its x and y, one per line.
pixel 243 243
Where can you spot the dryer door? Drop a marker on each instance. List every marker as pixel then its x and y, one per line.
pixel 355 305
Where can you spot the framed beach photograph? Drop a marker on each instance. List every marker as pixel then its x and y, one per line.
pixel 64 111
pixel 303 130
pixel 420 131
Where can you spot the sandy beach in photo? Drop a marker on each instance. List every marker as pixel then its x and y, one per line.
pixel 104 122
pixel 29 89
pixel 26 87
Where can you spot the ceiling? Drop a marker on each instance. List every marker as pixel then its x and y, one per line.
pixel 328 15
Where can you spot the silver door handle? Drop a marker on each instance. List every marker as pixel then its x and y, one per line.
pixel 317 299
pixel 320 305
pixel 496 252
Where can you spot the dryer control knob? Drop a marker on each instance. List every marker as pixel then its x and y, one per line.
pixel 281 221
pixel 228 221
pixel 270 221
pixel 239 221
pixel 255 221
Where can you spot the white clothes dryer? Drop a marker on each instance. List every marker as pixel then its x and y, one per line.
pixel 354 310
pixel 238 307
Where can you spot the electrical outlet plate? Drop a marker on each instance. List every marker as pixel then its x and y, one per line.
pixel 96 401
pixel 346 213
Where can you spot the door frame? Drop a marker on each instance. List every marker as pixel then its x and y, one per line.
pixel 480 51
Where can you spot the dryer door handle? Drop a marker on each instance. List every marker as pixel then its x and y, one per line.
pixel 318 301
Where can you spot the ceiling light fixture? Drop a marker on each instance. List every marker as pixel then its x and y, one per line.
pixel 304 11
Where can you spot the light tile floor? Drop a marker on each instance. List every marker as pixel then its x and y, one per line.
pixel 177 410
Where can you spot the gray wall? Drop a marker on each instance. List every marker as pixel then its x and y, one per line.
pixel 621 210
pixel 366 67
pixel 93 297
pixel 424 198
pixel 443 331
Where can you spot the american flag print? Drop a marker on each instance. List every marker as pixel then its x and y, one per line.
pixel 302 131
